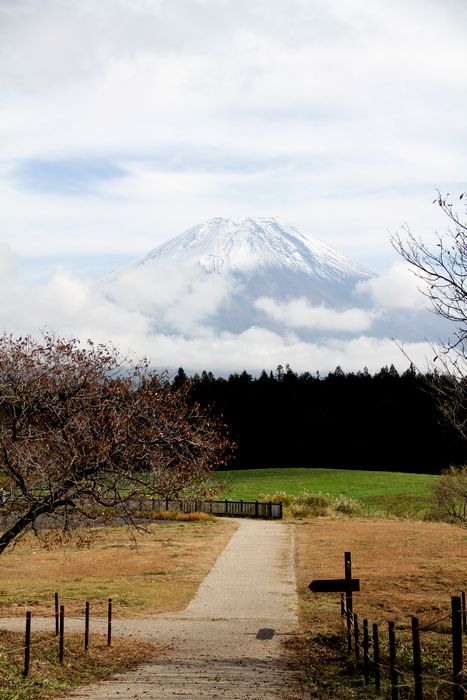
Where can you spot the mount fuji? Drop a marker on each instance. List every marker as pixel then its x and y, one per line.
pixel 225 276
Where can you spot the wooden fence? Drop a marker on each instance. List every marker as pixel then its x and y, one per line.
pixel 237 509
pixel 364 643
pixel 366 648
pixel 59 635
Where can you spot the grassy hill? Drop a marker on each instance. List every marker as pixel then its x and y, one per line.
pixel 379 492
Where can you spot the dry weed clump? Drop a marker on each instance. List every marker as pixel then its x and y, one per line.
pixel 313 505
pixel 177 515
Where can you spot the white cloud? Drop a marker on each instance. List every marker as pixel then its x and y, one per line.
pixel 177 297
pixel 399 288
pixel 8 261
pixel 299 313
pixel 77 308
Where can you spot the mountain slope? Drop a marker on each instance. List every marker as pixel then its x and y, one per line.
pixel 225 276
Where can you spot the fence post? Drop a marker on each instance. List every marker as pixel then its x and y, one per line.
pixel 56 614
pixel 256 509
pixel 366 655
pixel 376 666
pixel 27 645
pixel 342 612
pixel 417 660
pixel 109 623
pixel 392 661
pixel 464 613
pixel 61 642
pixel 348 598
pixel 356 633
pixel 86 627
pixel 457 670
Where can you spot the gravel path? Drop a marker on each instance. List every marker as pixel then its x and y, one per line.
pixel 227 642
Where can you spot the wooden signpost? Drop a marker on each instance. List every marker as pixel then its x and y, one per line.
pixel 333 585
pixel 345 585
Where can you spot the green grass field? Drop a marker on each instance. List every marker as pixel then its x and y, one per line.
pixel 379 492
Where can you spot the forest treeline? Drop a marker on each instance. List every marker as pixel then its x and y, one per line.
pixel 354 420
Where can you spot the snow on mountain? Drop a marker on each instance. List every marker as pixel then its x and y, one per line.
pixel 222 245
pixel 226 275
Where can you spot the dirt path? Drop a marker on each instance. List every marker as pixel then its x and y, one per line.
pixel 227 642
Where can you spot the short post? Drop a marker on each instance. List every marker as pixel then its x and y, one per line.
pixel 86 627
pixel 27 645
pixel 270 510
pixel 109 623
pixel 356 634
pixel 226 506
pixel 61 642
pixel 376 657
pixel 417 660
pixel 56 614
pixel 256 509
pixel 366 654
pixel 457 661
pixel 392 661
pixel 241 507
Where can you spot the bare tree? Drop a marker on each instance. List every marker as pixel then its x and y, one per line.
pixel 443 270
pixel 84 433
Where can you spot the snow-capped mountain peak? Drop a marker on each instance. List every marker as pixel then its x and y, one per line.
pixel 232 245
pixel 230 275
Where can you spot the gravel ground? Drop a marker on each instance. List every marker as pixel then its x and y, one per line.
pixel 227 642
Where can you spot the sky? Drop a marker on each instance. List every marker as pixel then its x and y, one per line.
pixel 125 122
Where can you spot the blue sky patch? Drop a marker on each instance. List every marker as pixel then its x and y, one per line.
pixel 69 176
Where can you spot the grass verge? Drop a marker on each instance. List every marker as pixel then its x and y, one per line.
pixel 48 677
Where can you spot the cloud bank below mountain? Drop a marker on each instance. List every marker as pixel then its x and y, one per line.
pixel 175 313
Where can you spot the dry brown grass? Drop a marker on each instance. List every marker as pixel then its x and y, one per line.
pixel 405 568
pixel 158 571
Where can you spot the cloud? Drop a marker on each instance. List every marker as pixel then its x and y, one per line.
pixel 326 115
pixel 8 261
pixel 126 122
pixel 78 308
pixel 398 288
pixel 177 297
pixel 299 313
